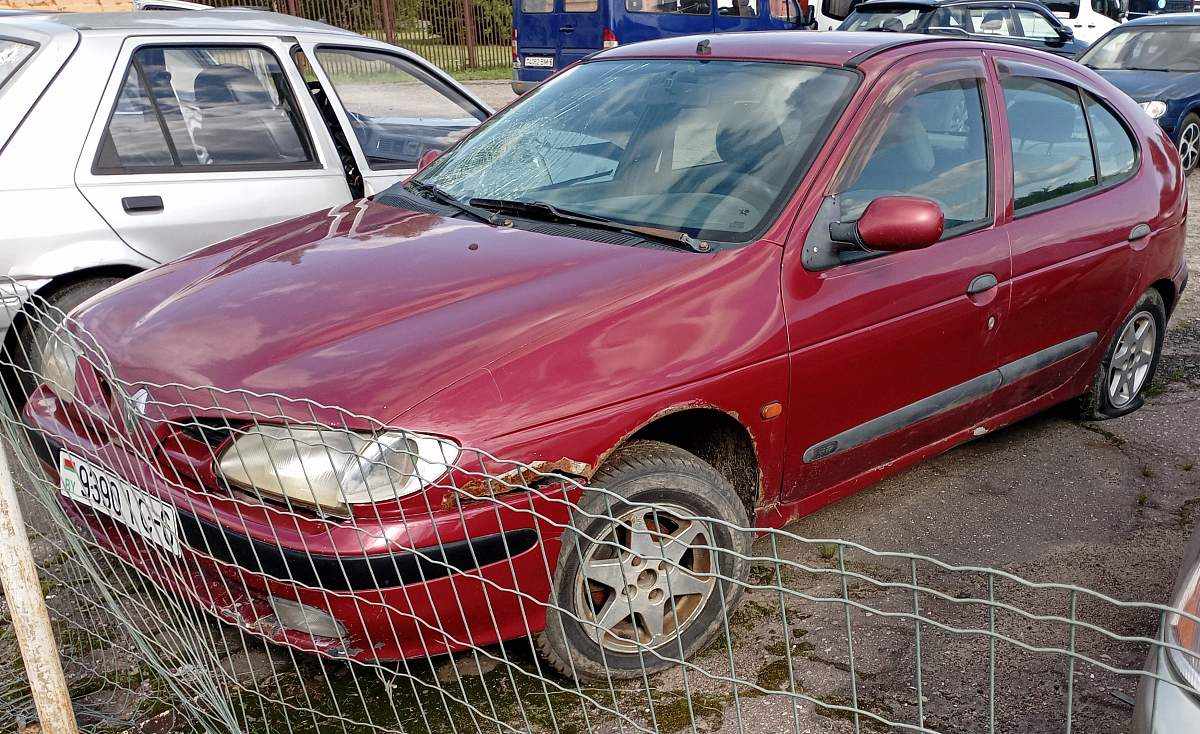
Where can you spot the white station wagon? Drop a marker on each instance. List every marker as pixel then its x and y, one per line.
pixel 130 139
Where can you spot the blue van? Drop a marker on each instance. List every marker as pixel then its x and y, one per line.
pixel 552 34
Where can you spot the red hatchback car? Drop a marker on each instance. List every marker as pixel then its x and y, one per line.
pixel 729 280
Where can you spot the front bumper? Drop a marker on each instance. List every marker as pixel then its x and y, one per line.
pixel 411 585
pixel 1162 707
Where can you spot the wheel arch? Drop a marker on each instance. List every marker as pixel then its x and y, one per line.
pixel 1166 289
pixel 20 319
pixel 715 436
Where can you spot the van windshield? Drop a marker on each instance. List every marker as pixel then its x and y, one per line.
pixel 12 55
pixel 711 149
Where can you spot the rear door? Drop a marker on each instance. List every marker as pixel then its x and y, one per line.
pixel 1078 218
pixel 200 139
pixel 580 30
pixel 556 33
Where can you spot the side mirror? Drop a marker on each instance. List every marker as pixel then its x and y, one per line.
pixel 893 224
pixel 1066 33
pixel 807 19
pixel 428 157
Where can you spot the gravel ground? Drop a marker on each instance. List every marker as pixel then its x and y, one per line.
pixel 1106 506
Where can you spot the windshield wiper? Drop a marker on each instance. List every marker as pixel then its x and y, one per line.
pixel 543 210
pixel 440 195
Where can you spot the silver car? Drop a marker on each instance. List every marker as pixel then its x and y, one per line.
pixel 1168 700
pixel 130 139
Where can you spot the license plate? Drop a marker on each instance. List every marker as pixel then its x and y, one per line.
pixel 149 517
pixel 539 62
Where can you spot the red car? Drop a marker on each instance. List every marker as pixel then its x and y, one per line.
pixel 729 280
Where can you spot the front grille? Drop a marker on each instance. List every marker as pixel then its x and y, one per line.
pixel 211 432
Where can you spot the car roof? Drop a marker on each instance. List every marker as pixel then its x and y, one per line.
pixel 1165 19
pixel 180 21
pixel 840 48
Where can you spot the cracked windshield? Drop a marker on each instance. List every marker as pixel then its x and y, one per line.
pixel 707 148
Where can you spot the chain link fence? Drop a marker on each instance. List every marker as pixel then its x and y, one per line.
pixel 454 34
pixel 228 561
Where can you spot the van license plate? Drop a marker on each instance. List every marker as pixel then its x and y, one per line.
pixel 539 62
pixel 135 508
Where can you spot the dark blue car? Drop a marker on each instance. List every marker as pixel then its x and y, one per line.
pixel 1156 60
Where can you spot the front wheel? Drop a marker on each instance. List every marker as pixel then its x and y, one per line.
pixel 651 567
pixel 1188 142
pixel 1119 386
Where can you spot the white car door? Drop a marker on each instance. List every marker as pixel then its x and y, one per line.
pixel 396 105
pixel 198 139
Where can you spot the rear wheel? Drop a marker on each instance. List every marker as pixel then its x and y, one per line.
pixel 1119 386
pixel 649 570
pixel 1188 142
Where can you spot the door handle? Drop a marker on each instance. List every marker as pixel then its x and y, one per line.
pixel 567 29
pixel 133 204
pixel 981 283
pixel 1139 232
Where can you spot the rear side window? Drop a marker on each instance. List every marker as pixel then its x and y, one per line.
pixel 198 108
pixel 1115 152
pixel 12 55
pixel 1052 154
pixel 677 7
pixel 992 21
pixel 1062 146
pixel 737 8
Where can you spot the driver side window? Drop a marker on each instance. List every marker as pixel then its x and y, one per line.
pixel 932 143
pixel 397 110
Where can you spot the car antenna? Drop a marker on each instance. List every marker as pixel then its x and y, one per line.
pixel 703 48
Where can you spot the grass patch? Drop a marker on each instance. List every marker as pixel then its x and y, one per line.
pixel 474 75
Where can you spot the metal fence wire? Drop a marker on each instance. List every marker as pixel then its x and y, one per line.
pixel 454 34
pixel 201 577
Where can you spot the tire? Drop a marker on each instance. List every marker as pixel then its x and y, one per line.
pixel 1119 385
pixel 1187 142
pixel 693 600
pixel 44 314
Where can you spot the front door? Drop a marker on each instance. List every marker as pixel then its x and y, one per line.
pixel 197 142
pixel 892 352
pixel 396 108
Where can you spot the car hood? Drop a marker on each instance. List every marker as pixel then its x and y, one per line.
pixel 1144 86
pixel 366 306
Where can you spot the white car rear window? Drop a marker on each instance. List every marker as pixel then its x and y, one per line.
pixel 12 54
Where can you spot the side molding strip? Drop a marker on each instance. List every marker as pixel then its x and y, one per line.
pixel 947 399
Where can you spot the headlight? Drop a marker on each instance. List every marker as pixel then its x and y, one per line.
pixel 333 468
pixel 1185 632
pixel 59 358
pixel 1155 108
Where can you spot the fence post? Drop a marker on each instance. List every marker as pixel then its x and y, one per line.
pixel 469 22
pixel 30 618
pixel 389 22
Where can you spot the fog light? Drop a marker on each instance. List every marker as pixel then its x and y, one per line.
pixel 293 615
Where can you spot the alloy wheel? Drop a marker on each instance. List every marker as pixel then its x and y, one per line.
pixel 1189 146
pixel 1131 360
pixel 646 579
